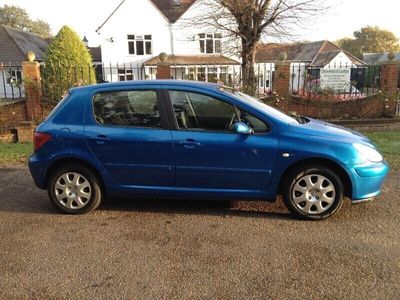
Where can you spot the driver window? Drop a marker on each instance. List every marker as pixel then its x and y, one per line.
pixel 255 123
pixel 197 111
pixel 200 112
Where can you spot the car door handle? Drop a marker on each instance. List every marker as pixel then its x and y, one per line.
pixel 101 139
pixel 189 143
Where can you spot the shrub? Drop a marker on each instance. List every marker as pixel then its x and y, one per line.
pixel 68 63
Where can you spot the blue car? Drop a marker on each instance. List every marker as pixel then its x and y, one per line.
pixel 182 139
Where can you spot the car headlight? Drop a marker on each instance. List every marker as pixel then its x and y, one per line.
pixel 368 152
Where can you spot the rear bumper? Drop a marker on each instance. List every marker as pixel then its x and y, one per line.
pixel 367 180
pixel 37 168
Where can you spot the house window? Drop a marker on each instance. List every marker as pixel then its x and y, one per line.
pixel 140 44
pixel 212 74
pixel 210 43
pixel 14 77
pixel 125 74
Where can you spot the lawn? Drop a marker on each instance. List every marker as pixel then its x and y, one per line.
pixel 17 153
pixel 388 143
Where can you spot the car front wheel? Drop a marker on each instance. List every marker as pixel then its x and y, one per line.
pixel 313 193
pixel 74 189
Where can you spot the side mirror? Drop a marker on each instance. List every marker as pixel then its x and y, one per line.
pixel 242 128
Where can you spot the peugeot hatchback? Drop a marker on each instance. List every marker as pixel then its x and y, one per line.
pixel 181 139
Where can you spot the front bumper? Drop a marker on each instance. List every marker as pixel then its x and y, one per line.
pixel 367 180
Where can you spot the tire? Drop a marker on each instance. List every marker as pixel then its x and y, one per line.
pixel 74 189
pixel 313 193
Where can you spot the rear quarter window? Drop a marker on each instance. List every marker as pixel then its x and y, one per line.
pixel 127 108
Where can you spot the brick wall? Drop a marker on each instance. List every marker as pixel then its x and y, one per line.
pixel 371 124
pixel 370 107
pixel 12 114
pixel 383 104
pixel 25 132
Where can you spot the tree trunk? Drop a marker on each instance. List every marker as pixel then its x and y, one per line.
pixel 249 80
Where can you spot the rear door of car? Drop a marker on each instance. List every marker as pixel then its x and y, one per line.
pixel 127 131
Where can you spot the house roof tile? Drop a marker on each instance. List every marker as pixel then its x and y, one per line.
pixel 16 43
pixel 96 53
pixel 171 10
pixel 309 51
pixel 324 58
pixel 315 53
pixel 270 52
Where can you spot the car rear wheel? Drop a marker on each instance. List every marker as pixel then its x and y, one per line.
pixel 313 193
pixel 74 189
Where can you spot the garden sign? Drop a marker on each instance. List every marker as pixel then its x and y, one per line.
pixel 336 79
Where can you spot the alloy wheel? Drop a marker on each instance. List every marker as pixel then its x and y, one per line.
pixel 72 190
pixel 313 194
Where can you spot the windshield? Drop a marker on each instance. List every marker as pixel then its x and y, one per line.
pixel 261 105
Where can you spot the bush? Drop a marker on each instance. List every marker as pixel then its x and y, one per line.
pixel 68 63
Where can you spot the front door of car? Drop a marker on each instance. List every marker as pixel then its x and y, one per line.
pixel 127 133
pixel 209 155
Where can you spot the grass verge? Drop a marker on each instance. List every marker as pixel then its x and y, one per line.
pixel 18 153
pixel 388 143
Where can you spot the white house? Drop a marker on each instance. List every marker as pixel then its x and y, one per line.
pixel 137 31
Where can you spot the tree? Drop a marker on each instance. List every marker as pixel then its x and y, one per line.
pixel 250 20
pixel 18 18
pixel 40 28
pixel 68 63
pixel 370 39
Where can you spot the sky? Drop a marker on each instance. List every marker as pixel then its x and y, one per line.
pixel 341 20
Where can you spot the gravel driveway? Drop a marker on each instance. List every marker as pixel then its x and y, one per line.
pixel 164 249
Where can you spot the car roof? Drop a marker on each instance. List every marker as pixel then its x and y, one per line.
pixel 132 83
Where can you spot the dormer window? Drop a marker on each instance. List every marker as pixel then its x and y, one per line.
pixel 177 2
pixel 210 43
pixel 139 44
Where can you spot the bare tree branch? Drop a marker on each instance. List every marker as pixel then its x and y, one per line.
pixel 249 21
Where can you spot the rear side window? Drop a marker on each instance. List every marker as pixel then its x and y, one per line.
pixel 127 108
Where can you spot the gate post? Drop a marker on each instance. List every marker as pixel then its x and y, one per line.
pixel 281 83
pixel 389 84
pixel 163 67
pixel 33 88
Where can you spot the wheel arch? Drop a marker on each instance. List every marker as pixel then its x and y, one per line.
pixel 55 165
pixel 334 166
